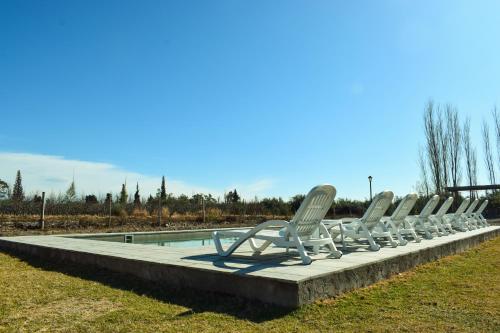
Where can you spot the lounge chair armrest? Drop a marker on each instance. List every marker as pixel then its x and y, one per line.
pixel 276 223
pixel 411 218
pixel 350 220
pixel 331 223
pixel 262 226
pixel 232 233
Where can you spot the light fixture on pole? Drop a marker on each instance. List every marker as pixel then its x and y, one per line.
pixel 370 181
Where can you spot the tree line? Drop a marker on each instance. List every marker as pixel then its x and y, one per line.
pixel 449 155
pixel 123 204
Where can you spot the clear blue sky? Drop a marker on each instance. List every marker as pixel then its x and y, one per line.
pixel 223 93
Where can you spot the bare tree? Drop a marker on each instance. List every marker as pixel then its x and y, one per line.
pixel 433 147
pixel 470 156
pixel 496 118
pixel 423 185
pixel 454 136
pixel 488 156
pixel 443 143
pixel 474 171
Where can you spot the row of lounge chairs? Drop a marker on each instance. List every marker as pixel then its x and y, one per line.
pixel 309 231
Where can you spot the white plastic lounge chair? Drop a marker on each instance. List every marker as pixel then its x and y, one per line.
pixel 436 219
pixel 454 220
pixel 300 232
pixel 420 222
pixel 478 217
pixel 369 226
pixel 397 223
pixel 467 216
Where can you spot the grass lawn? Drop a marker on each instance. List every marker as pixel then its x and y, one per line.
pixel 460 293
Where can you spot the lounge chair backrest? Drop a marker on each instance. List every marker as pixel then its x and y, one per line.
pixel 429 207
pixel 444 207
pixel 462 206
pixel 404 207
pixel 380 203
pixel 472 207
pixel 481 208
pixel 313 209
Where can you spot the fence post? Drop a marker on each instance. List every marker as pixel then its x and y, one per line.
pixel 110 204
pixel 42 212
pixel 203 203
pixel 159 211
pixel 244 210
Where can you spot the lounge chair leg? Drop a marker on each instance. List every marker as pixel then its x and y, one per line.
pixel 444 232
pixel 397 233
pixel 306 260
pixel 336 254
pixel 373 246
pixel 401 240
pixel 428 235
pixel 217 243
pixel 415 236
pixel 333 249
pixel 389 236
pixel 392 241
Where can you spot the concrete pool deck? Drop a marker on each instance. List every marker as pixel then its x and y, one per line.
pixel 273 277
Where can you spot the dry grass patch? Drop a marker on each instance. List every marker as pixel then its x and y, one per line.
pixel 455 294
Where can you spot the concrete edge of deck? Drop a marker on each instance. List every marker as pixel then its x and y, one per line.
pixel 349 279
pixel 269 290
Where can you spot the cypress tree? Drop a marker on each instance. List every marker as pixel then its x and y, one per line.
pixel 17 191
pixel 236 197
pixel 109 199
pixel 123 195
pixel 71 191
pixel 137 197
pixel 163 193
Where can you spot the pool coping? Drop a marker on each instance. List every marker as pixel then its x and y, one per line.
pixel 83 235
pixel 273 278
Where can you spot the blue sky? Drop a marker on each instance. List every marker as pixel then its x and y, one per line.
pixel 270 97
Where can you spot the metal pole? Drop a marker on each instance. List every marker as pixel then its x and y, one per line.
pixel 370 190
pixel 42 212
pixel 370 181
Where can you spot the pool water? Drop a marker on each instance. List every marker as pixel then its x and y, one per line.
pixel 188 243
pixel 185 239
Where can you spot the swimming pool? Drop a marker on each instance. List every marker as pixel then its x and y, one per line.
pixel 175 239
pixel 180 243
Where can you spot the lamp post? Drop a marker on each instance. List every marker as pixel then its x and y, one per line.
pixel 370 181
